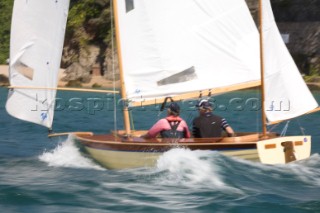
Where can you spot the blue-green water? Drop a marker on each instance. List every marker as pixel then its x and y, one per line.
pixel 38 174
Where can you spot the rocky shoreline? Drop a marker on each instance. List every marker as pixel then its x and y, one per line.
pixel 95 82
pixel 101 82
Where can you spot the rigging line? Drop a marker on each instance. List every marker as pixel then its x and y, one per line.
pixel 159 114
pixel 274 126
pixel 300 126
pixel 285 128
pixel 131 120
pixel 258 113
pixel 113 69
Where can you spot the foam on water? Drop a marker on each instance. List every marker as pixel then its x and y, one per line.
pixel 192 168
pixel 66 154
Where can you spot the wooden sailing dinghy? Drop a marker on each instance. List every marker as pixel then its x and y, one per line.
pixel 190 49
pixel 186 49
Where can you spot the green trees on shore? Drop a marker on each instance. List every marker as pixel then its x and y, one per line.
pixel 5 22
pixel 89 22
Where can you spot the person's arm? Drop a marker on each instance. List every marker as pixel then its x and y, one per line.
pixel 155 129
pixel 227 128
pixel 230 131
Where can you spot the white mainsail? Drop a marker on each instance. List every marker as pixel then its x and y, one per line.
pixel 287 95
pixel 37 35
pixel 171 47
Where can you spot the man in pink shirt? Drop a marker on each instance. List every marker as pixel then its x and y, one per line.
pixel 170 127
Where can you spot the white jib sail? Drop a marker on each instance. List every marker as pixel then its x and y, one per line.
pixel 287 95
pixel 37 36
pixel 172 47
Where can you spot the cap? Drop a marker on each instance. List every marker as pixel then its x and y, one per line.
pixel 204 104
pixel 174 107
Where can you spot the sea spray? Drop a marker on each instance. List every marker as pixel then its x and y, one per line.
pixel 67 154
pixel 190 167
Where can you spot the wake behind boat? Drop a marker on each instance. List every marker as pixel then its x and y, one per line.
pixel 186 50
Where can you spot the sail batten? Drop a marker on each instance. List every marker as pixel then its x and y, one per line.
pixel 37 35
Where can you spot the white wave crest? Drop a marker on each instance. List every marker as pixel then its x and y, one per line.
pixel 191 168
pixel 67 154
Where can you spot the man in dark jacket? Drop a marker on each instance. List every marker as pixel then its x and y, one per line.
pixel 208 125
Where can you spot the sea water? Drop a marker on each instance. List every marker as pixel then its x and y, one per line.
pixel 41 174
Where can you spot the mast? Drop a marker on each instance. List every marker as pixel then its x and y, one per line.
pixel 126 118
pixel 263 115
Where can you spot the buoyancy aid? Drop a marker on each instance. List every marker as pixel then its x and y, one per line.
pixel 173 132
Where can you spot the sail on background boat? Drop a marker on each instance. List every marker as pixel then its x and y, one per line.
pixel 37 35
pixel 175 47
pixel 287 95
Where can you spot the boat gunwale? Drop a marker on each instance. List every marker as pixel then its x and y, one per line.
pixel 137 141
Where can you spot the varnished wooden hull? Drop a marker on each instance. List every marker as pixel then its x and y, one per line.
pixel 116 152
